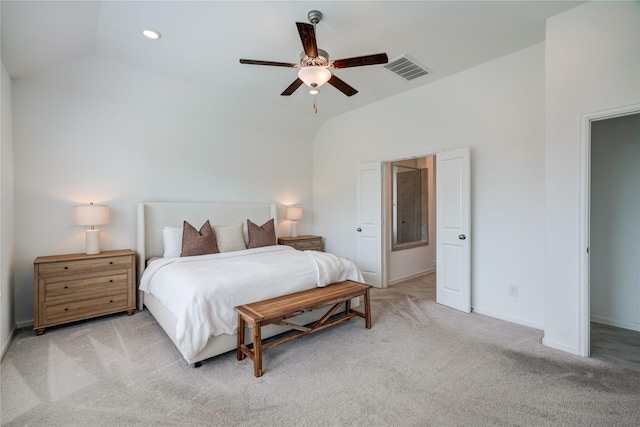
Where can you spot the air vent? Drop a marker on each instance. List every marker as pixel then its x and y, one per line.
pixel 407 68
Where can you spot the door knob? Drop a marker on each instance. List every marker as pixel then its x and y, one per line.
pixel 359 229
pixel 462 237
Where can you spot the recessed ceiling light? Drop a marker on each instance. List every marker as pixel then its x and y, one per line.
pixel 151 33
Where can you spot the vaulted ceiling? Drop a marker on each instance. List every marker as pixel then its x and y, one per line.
pixel 202 42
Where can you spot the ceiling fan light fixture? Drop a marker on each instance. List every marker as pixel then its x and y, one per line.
pixel 314 77
pixel 313 91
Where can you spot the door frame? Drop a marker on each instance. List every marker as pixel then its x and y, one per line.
pixel 584 289
pixel 386 237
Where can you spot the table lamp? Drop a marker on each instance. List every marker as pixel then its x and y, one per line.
pixel 294 213
pixel 92 215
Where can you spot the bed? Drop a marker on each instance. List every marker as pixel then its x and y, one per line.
pixel 264 279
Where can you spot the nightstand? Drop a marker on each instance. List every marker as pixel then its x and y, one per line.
pixel 74 287
pixel 302 243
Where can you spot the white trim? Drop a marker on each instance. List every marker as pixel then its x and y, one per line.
pixel 24 324
pixel 562 347
pixel 616 323
pixel 12 334
pixel 584 309
pixel 511 319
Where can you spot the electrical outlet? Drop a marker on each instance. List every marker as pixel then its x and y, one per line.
pixel 513 291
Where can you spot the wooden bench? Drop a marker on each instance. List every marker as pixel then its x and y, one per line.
pixel 276 310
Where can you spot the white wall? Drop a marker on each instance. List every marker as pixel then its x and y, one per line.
pixel 614 245
pixel 592 64
pixel 497 109
pixel 99 131
pixel 7 324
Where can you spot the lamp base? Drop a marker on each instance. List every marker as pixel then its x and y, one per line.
pixel 294 229
pixel 92 242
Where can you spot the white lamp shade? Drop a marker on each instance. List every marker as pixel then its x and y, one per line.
pixel 314 76
pixel 294 213
pixel 91 214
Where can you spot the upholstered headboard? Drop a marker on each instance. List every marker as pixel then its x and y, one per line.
pixel 154 216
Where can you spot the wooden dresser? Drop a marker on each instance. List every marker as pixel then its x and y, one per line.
pixel 308 242
pixel 73 287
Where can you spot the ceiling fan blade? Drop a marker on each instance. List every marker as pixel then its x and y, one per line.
pixel 359 61
pixel 342 86
pixel 272 63
pixel 292 87
pixel 308 38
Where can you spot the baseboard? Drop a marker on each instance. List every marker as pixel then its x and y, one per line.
pixel 515 320
pixel 411 276
pixel 24 324
pixel 8 344
pixel 562 347
pixel 615 323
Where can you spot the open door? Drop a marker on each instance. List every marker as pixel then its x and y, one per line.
pixel 453 231
pixel 369 222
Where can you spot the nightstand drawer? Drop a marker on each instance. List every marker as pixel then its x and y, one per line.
pixel 307 245
pixel 78 266
pixel 84 286
pixel 80 309
pixel 302 243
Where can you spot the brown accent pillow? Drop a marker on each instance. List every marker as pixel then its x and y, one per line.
pixel 196 242
pixel 264 235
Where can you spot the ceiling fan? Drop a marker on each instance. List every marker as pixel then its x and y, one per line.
pixel 314 63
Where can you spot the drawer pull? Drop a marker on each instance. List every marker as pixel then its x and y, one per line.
pixel 110 262
pixel 110 280
pixel 66 268
pixel 66 309
pixel 111 300
pixel 66 287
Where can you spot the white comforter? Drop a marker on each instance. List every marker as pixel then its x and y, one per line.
pixel 201 291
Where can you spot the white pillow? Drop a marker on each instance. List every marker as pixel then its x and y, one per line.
pixel 230 237
pixel 172 241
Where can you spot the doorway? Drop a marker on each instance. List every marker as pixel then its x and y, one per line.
pixel 614 239
pixel 409 218
pixel 453 200
pixel 600 121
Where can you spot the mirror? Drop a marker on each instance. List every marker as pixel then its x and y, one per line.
pixel 409 192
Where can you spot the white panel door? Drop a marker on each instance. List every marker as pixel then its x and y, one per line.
pixel 453 230
pixel 369 222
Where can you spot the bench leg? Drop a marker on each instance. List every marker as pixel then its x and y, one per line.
pixel 257 350
pixel 241 324
pixel 367 309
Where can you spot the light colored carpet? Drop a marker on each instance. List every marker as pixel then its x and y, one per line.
pixel 421 364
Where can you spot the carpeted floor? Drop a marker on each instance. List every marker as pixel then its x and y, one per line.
pixel 421 364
